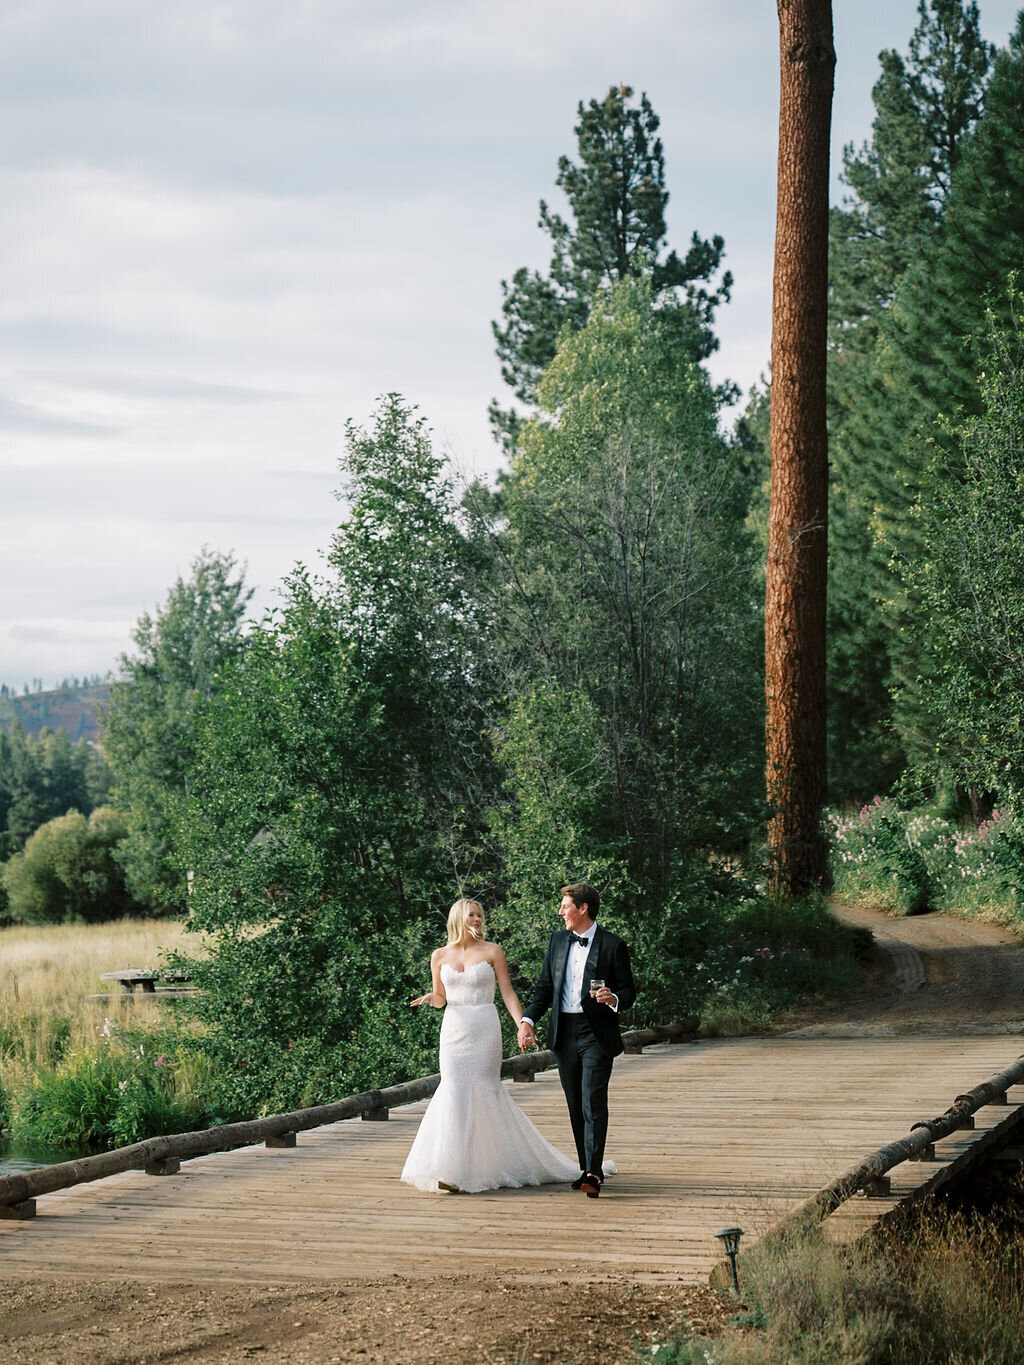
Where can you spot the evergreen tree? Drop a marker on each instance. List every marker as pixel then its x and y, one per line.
pixel 925 107
pixel 928 357
pixel 617 199
pixel 149 723
pixel 43 776
pixel 970 582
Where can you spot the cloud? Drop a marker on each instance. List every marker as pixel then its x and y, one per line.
pixel 24 418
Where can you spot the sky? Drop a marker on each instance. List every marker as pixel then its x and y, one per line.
pixel 228 226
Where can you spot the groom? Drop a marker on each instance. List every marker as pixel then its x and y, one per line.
pixel 584 1030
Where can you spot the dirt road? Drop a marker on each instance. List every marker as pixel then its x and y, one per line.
pixel 927 975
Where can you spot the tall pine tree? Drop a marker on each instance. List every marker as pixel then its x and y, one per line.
pixel 925 106
pixel 617 198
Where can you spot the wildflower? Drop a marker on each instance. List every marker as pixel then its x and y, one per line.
pixel 161 1060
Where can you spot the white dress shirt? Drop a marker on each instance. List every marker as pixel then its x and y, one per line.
pixel 572 986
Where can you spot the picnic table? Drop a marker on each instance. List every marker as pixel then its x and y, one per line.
pixel 145 979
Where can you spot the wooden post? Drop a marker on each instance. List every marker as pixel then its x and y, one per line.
pixel 164 1165
pixel 281 1140
pixel 26 1209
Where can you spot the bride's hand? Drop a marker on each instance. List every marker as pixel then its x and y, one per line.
pixel 427 999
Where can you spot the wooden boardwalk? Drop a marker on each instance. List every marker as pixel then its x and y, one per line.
pixel 708 1135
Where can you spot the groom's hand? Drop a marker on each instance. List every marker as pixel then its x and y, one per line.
pixel 526 1036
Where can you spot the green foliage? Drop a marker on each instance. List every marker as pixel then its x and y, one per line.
pixel 628 610
pixel 42 776
pixel 68 872
pixel 926 105
pixel 903 861
pixel 875 860
pixel 336 794
pixel 150 721
pixel 970 583
pixel 131 1085
pixel 617 198
pixel 934 336
pixel 759 956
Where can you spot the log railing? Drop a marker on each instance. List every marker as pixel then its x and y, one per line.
pixel 871 1176
pixel 163 1155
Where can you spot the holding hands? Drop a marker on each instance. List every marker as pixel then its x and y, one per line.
pixel 526 1036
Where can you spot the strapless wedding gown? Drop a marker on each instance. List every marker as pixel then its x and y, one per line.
pixel 473 1134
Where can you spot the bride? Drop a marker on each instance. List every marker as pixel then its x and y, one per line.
pixel 473 1136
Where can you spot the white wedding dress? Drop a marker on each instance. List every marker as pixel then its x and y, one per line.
pixel 473 1134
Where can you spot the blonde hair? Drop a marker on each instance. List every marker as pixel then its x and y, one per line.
pixel 457 928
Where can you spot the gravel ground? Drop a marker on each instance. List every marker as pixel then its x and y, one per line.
pixel 457 1320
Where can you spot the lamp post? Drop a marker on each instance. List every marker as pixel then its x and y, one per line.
pixel 730 1239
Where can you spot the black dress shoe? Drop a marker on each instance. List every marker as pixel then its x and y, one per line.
pixel 577 1184
pixel 591 1185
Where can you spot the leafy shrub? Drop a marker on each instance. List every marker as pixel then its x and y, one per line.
pixel 767 955
pixel 67 873
pixel 132 1084
pixel 901 861
pixel 875 860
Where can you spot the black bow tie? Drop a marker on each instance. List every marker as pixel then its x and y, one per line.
pixel 578 938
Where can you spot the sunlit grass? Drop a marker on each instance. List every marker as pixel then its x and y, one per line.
pixel 47 971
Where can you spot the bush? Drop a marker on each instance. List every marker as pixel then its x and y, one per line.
pixel 902 862
pixel 764 956
pixel 67 873
pixel 131 1085
pixel 939 1286
pixel 875 860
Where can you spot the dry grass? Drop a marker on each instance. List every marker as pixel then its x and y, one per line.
pixel 53 966
pixel 47 971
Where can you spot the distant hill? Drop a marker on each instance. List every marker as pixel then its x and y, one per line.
pixel 65 708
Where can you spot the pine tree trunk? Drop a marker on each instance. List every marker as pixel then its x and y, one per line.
pixel 798 520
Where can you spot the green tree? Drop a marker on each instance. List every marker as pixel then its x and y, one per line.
pixel 925 107
pixel 929 354
pixel 628 615
pixel 617 199
pixel 149 723
pixel 338 789
pixel 970 582
pixel 67 872
pixel 45 775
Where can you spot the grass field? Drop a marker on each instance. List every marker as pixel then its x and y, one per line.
pixel 46 972
pixel 77 1072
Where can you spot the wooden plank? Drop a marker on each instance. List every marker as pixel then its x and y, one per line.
pixel 727 1132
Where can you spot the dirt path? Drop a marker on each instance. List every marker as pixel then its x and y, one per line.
pixel 927 975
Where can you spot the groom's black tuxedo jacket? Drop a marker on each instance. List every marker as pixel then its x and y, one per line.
pixel 607 959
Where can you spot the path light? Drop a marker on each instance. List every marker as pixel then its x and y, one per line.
pixel 730 1239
